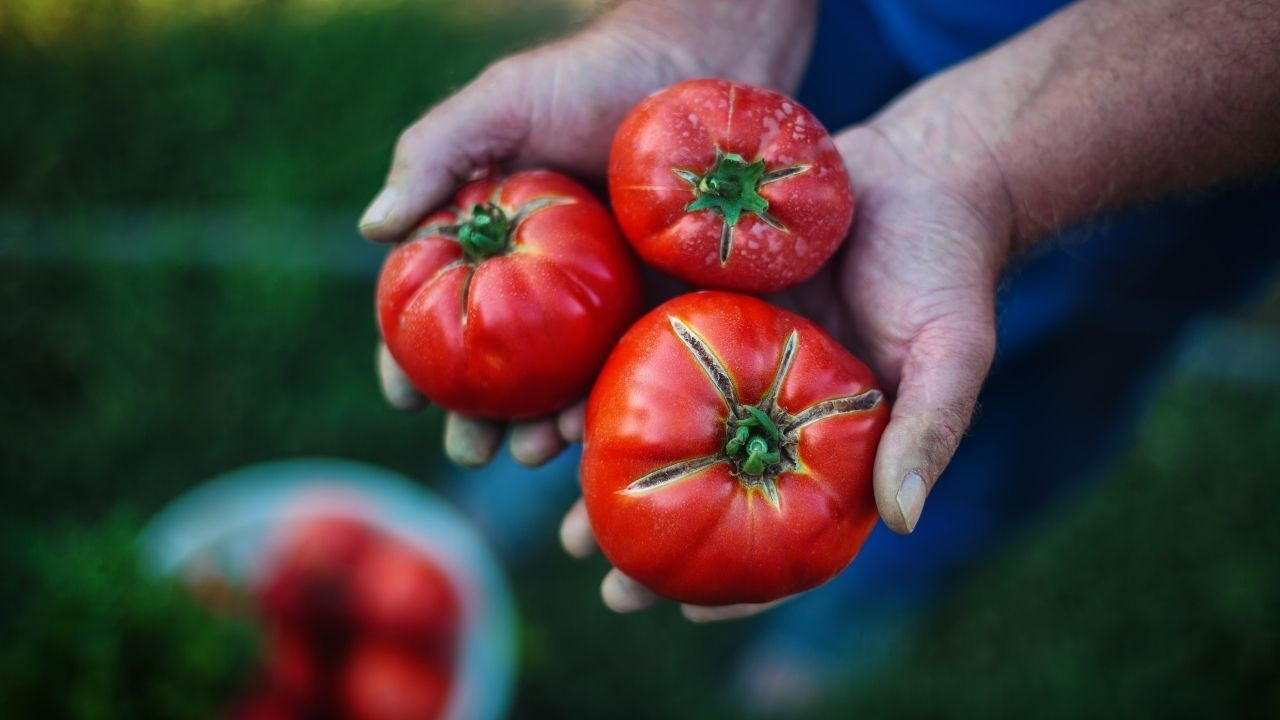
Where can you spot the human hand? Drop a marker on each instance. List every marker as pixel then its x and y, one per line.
pixel 558 106
pixel 911 293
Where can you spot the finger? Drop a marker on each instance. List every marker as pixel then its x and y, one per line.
pixel 396 386
pixel 937 393
pixel 481 124
pixel 575 532
pixel 704 613
pixel 469 442
pixel 534 443
pixel 621 594
pixel 572 421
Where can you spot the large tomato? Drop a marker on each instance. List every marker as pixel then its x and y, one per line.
pixel 729 186
pixel 504 304
pixel 728 452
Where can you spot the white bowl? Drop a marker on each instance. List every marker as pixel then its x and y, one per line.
pixel 229 521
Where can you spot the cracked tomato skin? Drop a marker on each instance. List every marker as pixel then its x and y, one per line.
pixel 680 130
pixel 518 328
pixel 710 537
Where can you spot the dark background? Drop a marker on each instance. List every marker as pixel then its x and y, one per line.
pixel 182 292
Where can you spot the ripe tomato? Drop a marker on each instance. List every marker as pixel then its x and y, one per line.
pixel 309 570
pixel 293 671
pixel 728 453
pixel 399 593
pixel 504 304
pixel 266 705
pixel 384 682
pixel 729 186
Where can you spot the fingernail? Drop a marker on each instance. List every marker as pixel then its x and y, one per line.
pixel 911 496
pixel 380 209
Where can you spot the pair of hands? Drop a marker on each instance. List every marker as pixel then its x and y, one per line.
pixel 911 292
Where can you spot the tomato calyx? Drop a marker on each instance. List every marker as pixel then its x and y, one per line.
pixel 761 440
pixel 754 441
pixel 487 229
pixel 730 187
pixel 485 234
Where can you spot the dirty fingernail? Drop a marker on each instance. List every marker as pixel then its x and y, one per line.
pixel 911 496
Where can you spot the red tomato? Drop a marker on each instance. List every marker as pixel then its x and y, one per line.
pixel 307 575
pixel 728 454
pixel 505 304
pixel 729 186
pixel 384 682
pixel 292 669
pixel 266 706
pixel 398 592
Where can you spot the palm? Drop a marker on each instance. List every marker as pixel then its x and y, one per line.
pixel 912 285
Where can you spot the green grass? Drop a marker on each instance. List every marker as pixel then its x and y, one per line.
pixel 262 103
pixel 184 295
pixel 1154 596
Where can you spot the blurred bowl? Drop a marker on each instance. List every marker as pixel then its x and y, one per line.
pixel 224 528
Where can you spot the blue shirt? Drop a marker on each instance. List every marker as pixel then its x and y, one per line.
pixel 929 35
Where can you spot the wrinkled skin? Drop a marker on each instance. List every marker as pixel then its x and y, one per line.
pixel 673 137
pixel 521 333
pixel 715 533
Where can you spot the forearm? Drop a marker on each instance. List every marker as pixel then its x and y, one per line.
pixel 1111 102
pixel 762 42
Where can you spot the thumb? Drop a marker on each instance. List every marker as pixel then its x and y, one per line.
pixel 942 374
pixel 483 123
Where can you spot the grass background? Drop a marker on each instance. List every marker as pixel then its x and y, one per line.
pixel 184 294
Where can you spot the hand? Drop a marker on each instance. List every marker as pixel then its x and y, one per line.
pixel 553 106
pixel 558 106
pixel 911 293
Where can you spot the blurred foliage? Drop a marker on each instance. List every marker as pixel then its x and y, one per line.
pixel 1155 597
pixel 135 381
pixel 280 102
pixel 142 359
pixel 99 637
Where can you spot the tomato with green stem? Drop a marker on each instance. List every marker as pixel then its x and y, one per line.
pixel 728 452
pixel 504 304
pixel 729 186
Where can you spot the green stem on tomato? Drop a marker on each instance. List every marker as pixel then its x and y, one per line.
pixel 731 187
pixel 485 234
pixel 754 442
